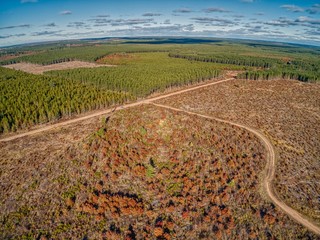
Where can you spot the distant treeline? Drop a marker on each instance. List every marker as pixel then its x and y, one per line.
pixel 83 53
pixel 305 71
pixel 25 59
pixel 278 74
pixel 267 68
pixel 249 61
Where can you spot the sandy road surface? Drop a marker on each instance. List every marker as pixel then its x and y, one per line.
pixel 270 168
pixel 103 112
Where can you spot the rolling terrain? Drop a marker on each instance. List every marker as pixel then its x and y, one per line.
pixel 136 163
pixel 290 125
pixel 184 149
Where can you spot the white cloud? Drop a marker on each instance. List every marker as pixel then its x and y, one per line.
pixel 215 10
pixel 314 9
pixel 304 19
pixel 183 10
pixel 151 14
pixel 292 8
pixel 247 1
pixel 29 1
pixel 65 12
pixel 16 26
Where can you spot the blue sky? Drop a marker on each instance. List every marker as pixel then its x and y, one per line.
pixel 24 21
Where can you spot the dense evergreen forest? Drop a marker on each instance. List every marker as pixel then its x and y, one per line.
pixel 250 61
pixel 280 74
pixel 143 74
pixel 27 99
pixel 82 53
pixel 144 66
pixel 260 61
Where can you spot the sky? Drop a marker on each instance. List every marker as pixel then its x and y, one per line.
pixel 28 21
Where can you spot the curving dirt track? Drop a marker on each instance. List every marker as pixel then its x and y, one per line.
pixel 270 168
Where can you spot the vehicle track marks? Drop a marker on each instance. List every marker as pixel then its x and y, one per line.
pixel 106 111
pixel 270 167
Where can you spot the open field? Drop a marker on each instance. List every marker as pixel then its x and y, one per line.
pixel 288 113
pixel 39 69
pixel 188 149
pixel 146 173
pixel 145 67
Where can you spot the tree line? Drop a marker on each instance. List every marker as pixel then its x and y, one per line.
pixel 263 68
pixel 280 74
pixel 145 74
pixel 83 53
pixel 27 99
pixel 240 60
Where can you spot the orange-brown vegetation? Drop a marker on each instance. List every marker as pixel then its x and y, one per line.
pixel 288 113
pixel 148 173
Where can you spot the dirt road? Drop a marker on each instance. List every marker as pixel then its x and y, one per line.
pixel 103 112
pixel 270 168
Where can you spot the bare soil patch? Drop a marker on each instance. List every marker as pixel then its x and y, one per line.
pixel 288 113
pixel 39 69
pixel 12 56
